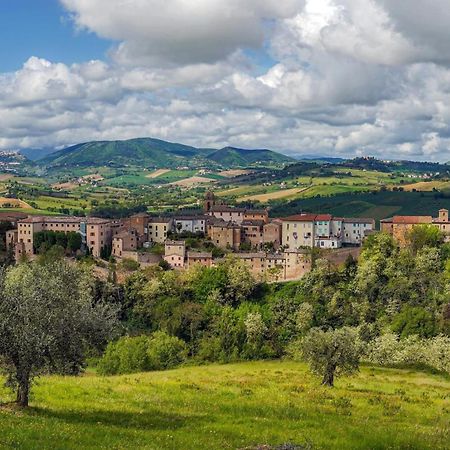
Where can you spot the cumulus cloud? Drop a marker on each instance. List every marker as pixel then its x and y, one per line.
pixel 344 77
pixel 179 31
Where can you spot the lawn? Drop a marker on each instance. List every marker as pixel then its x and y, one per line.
pixel 233 406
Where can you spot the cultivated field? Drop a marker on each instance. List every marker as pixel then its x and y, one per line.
pixel 275 195
pixel 192 181
pixel 13 202
pixel 158 173
pixel 233 407
pixel 234 173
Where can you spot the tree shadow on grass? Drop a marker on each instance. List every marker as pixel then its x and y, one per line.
pixel 149 419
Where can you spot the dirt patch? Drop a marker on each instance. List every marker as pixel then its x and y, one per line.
pixel 14 203
pixel 234 173
pixel 276 195
pixel 6 176
pixel 65 186
pixel 157 173
pixel 192 181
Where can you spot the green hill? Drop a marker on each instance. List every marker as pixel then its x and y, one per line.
pixel 143 151
pixel 156 153
pixel 231 156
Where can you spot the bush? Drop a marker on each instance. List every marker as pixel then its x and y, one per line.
pixel 388 350
pixel 166 352
pixel 127 355
pixel 142 353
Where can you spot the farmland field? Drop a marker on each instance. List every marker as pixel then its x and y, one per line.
pixel 231 407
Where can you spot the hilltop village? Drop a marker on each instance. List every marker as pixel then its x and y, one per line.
pixel 278 249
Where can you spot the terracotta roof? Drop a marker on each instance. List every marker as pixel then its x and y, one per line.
pixel 300 218
pixel 194 255
pixel 412 219
pixel 324 217
pixel 52 219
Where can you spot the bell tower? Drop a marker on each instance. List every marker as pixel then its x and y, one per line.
pixel 210 201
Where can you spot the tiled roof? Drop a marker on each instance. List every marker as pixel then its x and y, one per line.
pixel 412 219
pixel 324 217
pixel 300 218
pixel 194 255
pixel 52 219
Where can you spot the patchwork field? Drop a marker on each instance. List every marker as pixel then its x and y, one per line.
pixel 427 186
pixel 275 195
pixel 233 407
pixel 234 173
pixel 192 181
pixel 13 202
pixel 158 173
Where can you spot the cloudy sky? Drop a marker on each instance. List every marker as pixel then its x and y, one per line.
pixel 314 77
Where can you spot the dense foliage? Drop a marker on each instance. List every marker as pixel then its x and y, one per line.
pixel 223 314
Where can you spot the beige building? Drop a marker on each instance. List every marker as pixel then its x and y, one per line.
pixel 298 231
pixel 272 233
pixel 96 233
pixel 225 234
pixel 125 241
pixel 286 266
pixel 399 226
pixel 158 227
pixel 227 213
pixel 202 258
pixel 175 254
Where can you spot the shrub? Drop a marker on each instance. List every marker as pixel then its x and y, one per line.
pixel 142 353
pixel 127 355
pixel 389 350
pixel 165 352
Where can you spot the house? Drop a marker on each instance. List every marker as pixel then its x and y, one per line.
pixel 175 254
pixel 355 230
pixel 226 235
pixel 124 242
pixel 202 258
pixel 272 233
pixel 190 224
pixel 227 213
pixel 253 232
pixel 138 222
pixel 158 227
pixel 298 231
pixel 400 226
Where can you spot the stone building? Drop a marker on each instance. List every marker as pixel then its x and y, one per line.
pixel 158 227
pixel 175 254
pixel 202 258
pixel 226 235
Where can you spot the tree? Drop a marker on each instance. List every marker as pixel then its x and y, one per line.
pixel 424 236
pixel 48 321
pixel 333 352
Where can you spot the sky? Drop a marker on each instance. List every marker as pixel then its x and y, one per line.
pixel 305 77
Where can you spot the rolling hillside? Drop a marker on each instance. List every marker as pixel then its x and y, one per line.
pixel 233 157
pixel 156 153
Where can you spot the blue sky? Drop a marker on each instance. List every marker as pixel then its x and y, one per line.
pixel 42 28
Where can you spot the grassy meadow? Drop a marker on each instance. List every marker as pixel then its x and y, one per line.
pixel 233 406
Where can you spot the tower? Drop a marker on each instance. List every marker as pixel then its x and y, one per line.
pixel 210 201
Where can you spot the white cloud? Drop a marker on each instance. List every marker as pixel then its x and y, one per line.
pixel 349 77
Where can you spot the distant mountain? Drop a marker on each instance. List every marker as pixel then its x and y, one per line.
pixel 231 156
pixel 149 152
pixel 34 154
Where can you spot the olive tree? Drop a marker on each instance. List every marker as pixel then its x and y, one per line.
pixel 48 320
pixel 331 353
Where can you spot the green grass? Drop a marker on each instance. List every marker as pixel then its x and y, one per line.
pixel 233 406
